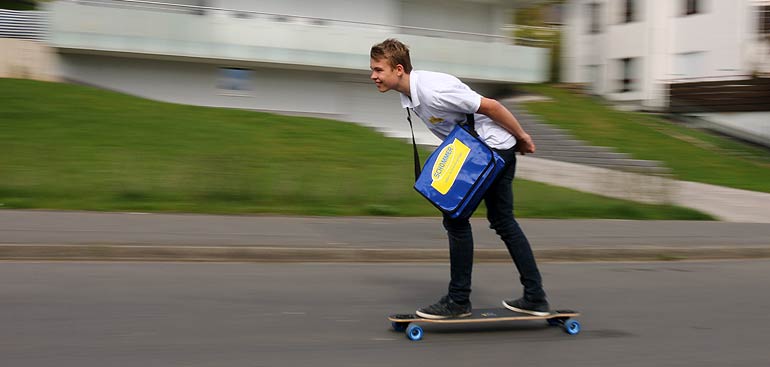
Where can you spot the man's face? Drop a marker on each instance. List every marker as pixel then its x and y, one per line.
pixel 385 76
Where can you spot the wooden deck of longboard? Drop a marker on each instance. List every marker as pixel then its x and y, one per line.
pixel 485 315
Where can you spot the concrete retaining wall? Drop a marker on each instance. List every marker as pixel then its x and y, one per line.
pixel 27 59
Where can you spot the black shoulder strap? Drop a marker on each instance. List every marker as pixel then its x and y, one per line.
pixel 414 147
pixel 470 122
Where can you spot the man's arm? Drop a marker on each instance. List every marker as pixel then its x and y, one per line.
pixel 499 114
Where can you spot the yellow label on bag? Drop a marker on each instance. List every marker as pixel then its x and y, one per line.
pixel 447 166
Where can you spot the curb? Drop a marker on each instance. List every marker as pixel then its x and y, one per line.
pixel 20 252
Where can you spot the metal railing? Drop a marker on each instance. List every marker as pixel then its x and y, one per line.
pixel 285 18
pixel 22 24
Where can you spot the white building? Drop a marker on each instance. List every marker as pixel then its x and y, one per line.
pixel 630 50
pixel 286 56
pixel 695 57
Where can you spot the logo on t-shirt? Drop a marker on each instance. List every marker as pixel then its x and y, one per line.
pixel 435 120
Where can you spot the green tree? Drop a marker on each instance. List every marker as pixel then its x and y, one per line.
pixel 19 4
pixel 534 30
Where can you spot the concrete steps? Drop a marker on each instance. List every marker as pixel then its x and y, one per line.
pixel 557 144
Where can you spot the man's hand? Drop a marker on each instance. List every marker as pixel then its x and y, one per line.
pixel 499 114
pixel 525 144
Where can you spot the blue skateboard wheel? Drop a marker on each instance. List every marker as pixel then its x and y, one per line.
pixel 399 326
pixel 414 332
pixel 572 327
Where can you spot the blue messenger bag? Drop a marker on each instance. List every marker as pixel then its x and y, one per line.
pixel 459 172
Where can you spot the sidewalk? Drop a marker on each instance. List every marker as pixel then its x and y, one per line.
pixel 57 235
pixel 724 203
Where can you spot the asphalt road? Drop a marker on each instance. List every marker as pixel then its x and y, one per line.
pixel 188 314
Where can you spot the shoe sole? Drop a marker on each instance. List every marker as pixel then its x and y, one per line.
pixel 439 317
pixel 529 312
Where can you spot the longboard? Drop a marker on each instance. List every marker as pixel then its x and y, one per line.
pixel 406 322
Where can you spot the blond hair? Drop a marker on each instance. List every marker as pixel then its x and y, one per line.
pixel 394 51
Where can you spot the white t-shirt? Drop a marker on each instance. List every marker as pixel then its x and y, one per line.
pixel 441 101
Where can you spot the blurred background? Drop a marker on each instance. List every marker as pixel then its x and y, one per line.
pixel 652 125
pixel 666 89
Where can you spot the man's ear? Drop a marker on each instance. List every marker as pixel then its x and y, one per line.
pixel 400 69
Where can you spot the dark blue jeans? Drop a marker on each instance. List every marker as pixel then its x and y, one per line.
pixel 499 202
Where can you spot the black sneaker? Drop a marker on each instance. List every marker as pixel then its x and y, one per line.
pixel 445 308
pixel 524 306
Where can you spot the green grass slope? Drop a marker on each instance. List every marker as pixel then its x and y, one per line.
pixel 692 155
pixel 73 147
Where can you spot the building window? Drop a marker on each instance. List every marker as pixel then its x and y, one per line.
pixel 235 81
pixel 692 7
pixel 594 16
pixel 764 19
pixel 629 13
pixel 629 74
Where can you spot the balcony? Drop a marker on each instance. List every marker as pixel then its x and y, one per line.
pixel 152 30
